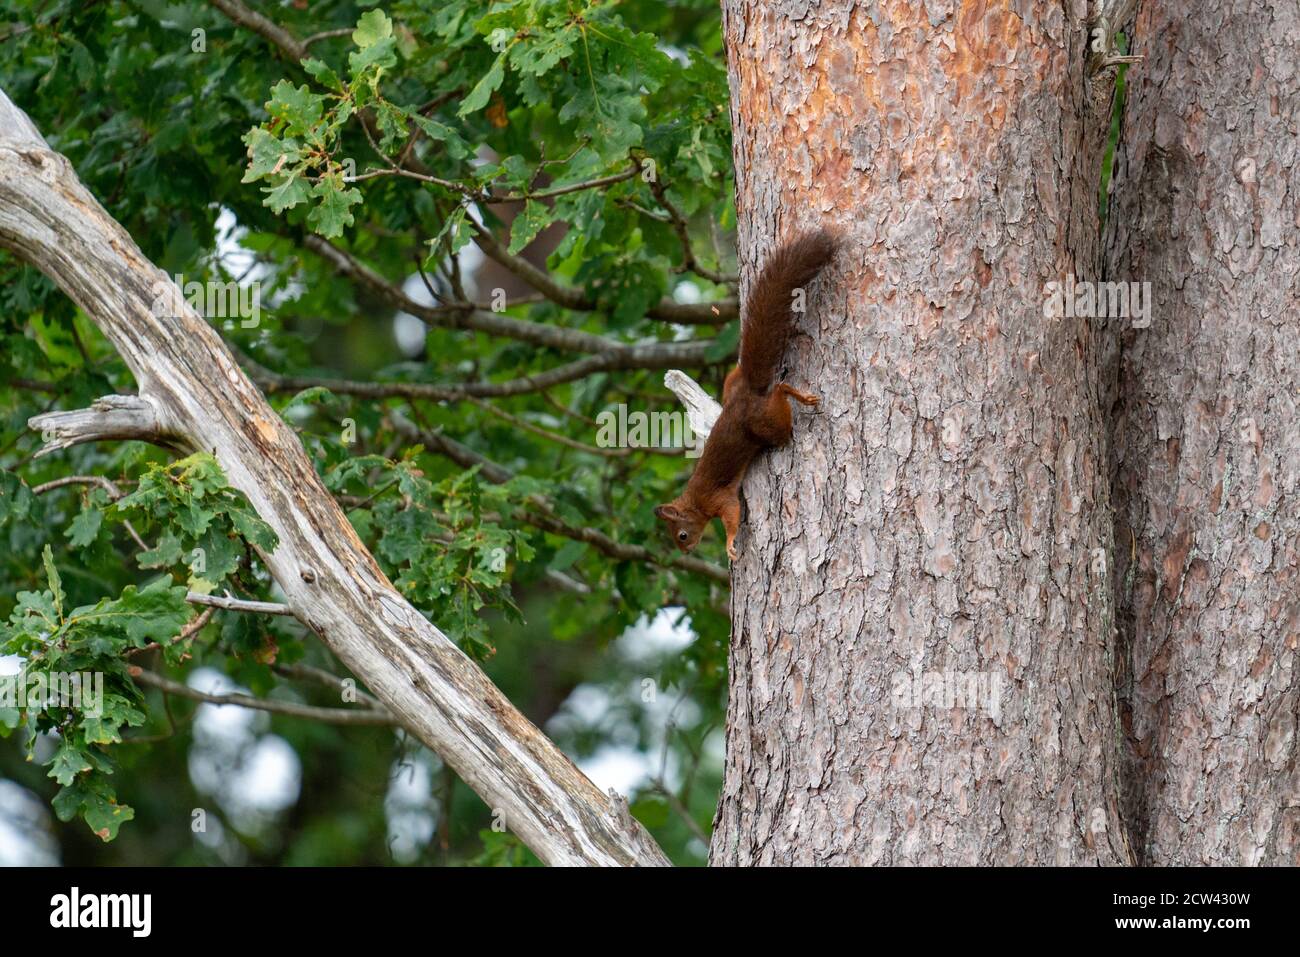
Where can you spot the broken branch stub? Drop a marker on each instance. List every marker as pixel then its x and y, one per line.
pixel 701 409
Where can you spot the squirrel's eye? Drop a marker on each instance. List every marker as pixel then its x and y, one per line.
pixel 681 536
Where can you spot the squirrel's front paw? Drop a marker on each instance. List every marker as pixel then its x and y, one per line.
pixel 731 552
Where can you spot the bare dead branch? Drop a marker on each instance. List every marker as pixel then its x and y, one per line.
pixel 114 417
pixel 238 604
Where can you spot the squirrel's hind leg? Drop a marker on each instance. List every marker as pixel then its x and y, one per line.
pixel 774 424
pixel 805 398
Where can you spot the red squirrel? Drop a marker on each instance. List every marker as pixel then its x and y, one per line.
pixel 755 409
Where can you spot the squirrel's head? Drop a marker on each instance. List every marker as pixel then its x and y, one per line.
pixel 684 525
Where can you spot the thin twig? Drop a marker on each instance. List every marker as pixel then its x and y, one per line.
pixel 541 514
pixel 108 486
pixel 308 672
pixel 680 809
pixel 328 34
pixel 613 452
pixel 192 627
pixel 348 716
pixel 678 221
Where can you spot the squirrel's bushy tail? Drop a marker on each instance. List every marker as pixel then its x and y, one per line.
pixel 767 318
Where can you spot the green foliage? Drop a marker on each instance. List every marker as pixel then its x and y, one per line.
pixel 439 542
pixel 585 138
pixel 201 520
pixel 503 849
pixel 90 642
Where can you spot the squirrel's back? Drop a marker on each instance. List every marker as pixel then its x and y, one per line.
pixel 767 317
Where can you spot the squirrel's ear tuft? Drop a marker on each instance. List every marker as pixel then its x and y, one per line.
pixel 666 512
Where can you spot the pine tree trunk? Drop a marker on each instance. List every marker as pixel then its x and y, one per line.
pixel 948 510
pixel 1207 450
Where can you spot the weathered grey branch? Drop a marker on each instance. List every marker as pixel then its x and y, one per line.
pixel 702 410
pixel 115 417
pixel 202 400
pixel 238 604
pixel 106 484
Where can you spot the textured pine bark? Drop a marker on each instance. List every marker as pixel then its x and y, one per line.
pixel 948 510
pixel 1207 450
